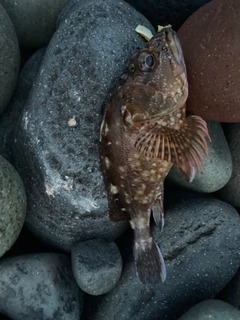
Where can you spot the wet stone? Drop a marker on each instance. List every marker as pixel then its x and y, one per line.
pixel 11 115
pixel 209 39
pixel 9 59
pixel 97 266
pixel 231 191
pixel 34 21
pixel 39 286
pixel 200 244
pixel 13 205
pixel 212 309
pixel 56 139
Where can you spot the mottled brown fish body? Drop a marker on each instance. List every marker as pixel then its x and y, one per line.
pixel 143 133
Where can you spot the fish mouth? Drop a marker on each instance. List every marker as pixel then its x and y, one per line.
pixel 175 46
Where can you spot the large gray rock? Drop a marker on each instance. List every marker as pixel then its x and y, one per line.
pixel 10 117
pixel 212 309
pixel 56 140
pixel 39 286
pixel 34 21
pixel 218 165
pixel 13 205
pixel 9 59
pixel 200 243
pixel 97 265
pixel 231 191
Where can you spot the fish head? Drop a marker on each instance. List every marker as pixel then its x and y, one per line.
pixel 156 81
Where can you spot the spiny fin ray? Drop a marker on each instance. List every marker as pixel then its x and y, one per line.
pixel 183 147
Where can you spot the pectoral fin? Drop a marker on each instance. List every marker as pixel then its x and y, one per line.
pixel 183 147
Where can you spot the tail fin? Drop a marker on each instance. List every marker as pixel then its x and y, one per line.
pixel 149 262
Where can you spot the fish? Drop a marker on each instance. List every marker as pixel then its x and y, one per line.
pixel 144 133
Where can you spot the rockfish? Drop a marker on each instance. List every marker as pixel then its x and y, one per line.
pixel 143 133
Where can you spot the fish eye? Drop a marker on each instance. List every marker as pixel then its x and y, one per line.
pixel 149 61
pixel 146 61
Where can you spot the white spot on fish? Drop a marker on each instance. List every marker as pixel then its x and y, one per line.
pixel 113 189
pixel 107 162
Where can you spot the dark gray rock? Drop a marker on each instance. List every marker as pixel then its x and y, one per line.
pixel 212 309
pixel 10 117
pixel 231 293
pixel 9 59
pixel 231 191
pixel 13 205
pixel 218 166
pixel 167 11
pixel 97 266
pixel 34 21
pixel 56 140
pixel 39 286
pixel 200 243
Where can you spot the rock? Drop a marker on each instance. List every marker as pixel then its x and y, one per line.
pixel 34 21
pixel 97 266
pixel 218 166
pixel 231 193
pixel 12 205
pixel 200 244
pixel 212 309
pixel 10 117
pixel 9 59
pixel 167 11
pixel 39 286
pixel 56 140
pixel 210 46
pixel 231 293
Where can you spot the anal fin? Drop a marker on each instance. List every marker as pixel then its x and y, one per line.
pixel 158 211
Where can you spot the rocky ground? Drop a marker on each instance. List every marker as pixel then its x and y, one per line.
pixel 61 257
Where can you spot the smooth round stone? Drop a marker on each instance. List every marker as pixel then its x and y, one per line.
pixel 212 309
pixel 13 205
pixel 9 59
pixel 60 124
pixel 97 266
pixel 231 191
pixel 231 293
pixel 200 243
pixel 39 286
pixel 167 11
pixel 10 117
pixel 218 165
pixel 210 43
pixel 34 21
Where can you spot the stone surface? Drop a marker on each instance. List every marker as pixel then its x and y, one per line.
pixel 9 59
pixel 56 140
pixel 12 205
pixel 167 11
pixel 210 46
pixel 231 191
pixel 97 266
pixel 10 117
pixel 34 21
pixel 39 286
pixel 212 309
pixel 200 243
pixel 218 166
pixel 231 293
